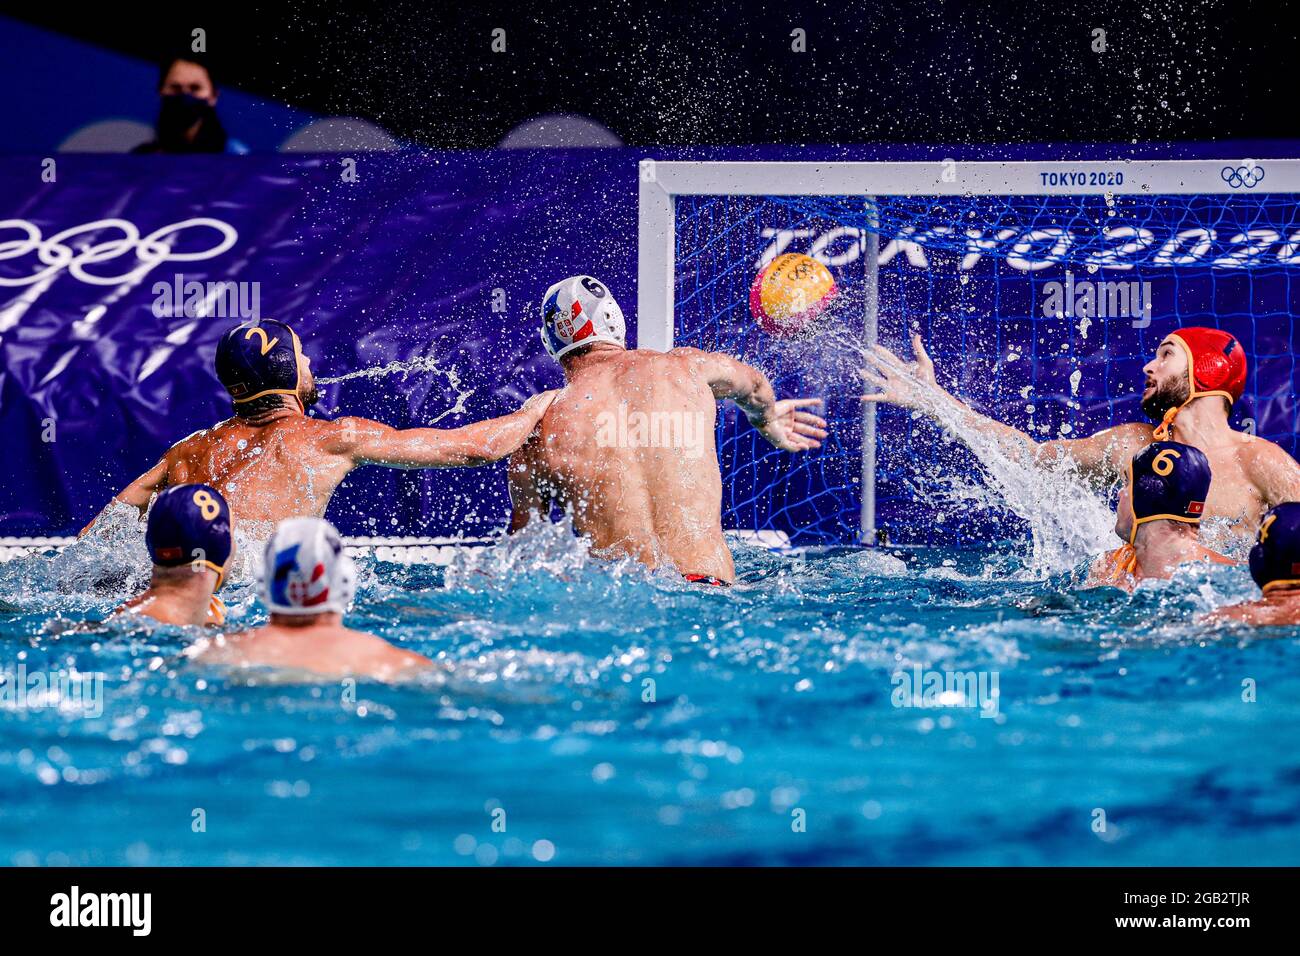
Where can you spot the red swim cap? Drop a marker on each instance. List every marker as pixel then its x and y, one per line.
pixel 1216 365
pixel 1216 362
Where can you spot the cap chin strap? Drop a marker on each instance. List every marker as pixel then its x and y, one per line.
pixel 217 610
pixel 1162 430
pixel 1132 535
pixel 221 574
pixel 204 562
pixel 1281 583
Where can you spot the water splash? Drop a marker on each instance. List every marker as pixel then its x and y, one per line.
pixel 1068 521
pixel 420 364
pixel 110 560
pixel 541 549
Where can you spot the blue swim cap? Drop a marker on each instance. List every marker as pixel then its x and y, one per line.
pixel 1168 480
pixel 1275 558
pixel 190 523
pixel 259 358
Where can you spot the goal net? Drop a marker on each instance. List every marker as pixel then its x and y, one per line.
pixel 1039 289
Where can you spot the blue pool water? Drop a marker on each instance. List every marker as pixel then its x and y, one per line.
pixel 773 735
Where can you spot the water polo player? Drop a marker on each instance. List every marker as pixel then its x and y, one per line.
pixel 308 582
pixel 628 448
pixel 1159 516
pixel 190 539
pixel 272 461
pixel 1275 566
pixel 1191 385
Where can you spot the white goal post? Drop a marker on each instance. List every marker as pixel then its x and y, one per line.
pixel 662 182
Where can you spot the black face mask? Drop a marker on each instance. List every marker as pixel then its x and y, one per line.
pixel 179 112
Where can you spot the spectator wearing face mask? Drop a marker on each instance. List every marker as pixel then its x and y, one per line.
pixel 187 118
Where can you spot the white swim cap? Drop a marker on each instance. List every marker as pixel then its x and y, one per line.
pixel 579 311
pixel 307 571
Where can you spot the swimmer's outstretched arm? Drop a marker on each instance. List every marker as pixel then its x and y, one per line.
pixel 1100 456
pixel 373 443
pixel 779 421
pixel 138 493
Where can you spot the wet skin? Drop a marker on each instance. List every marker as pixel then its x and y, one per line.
pixel 284 464
pixel 1251 474
pixel 1280 607
pixel 628 449
pixel 318 644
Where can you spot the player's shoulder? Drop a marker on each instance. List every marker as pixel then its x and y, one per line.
pixel 344 424
pixel 687 353
pixel 200 436
pixel 340 435
pixel 1261 449
pixel 1119 443
pixel 1136 433
pixel 697 360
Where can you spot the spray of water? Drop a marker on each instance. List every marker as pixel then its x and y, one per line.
pixel 549 548
pixel 423 364
pixel 1068 521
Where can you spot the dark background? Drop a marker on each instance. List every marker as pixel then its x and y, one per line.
pixel 724 73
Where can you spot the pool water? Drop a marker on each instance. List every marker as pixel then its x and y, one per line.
pixel 596 713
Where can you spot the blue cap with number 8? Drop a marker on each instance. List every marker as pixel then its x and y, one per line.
pixel 1275 558
pixel 190 524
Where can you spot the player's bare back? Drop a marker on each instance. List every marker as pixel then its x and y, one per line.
pixel 267 472
pixel 628 448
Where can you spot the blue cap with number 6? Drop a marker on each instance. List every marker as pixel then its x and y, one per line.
pixel 1170 481
pixel 190 524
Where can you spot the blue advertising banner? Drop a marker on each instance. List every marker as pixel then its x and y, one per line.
pixel 106 349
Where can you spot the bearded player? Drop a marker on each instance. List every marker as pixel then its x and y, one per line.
pixel 1191 385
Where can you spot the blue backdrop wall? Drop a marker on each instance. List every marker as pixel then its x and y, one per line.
pixel 443 258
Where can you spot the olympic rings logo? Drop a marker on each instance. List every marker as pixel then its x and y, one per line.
pixel 58 253
pixel 1248 176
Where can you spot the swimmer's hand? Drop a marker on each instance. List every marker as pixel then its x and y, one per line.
pixel 539 403
pixel 908 384
pixel 789 429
